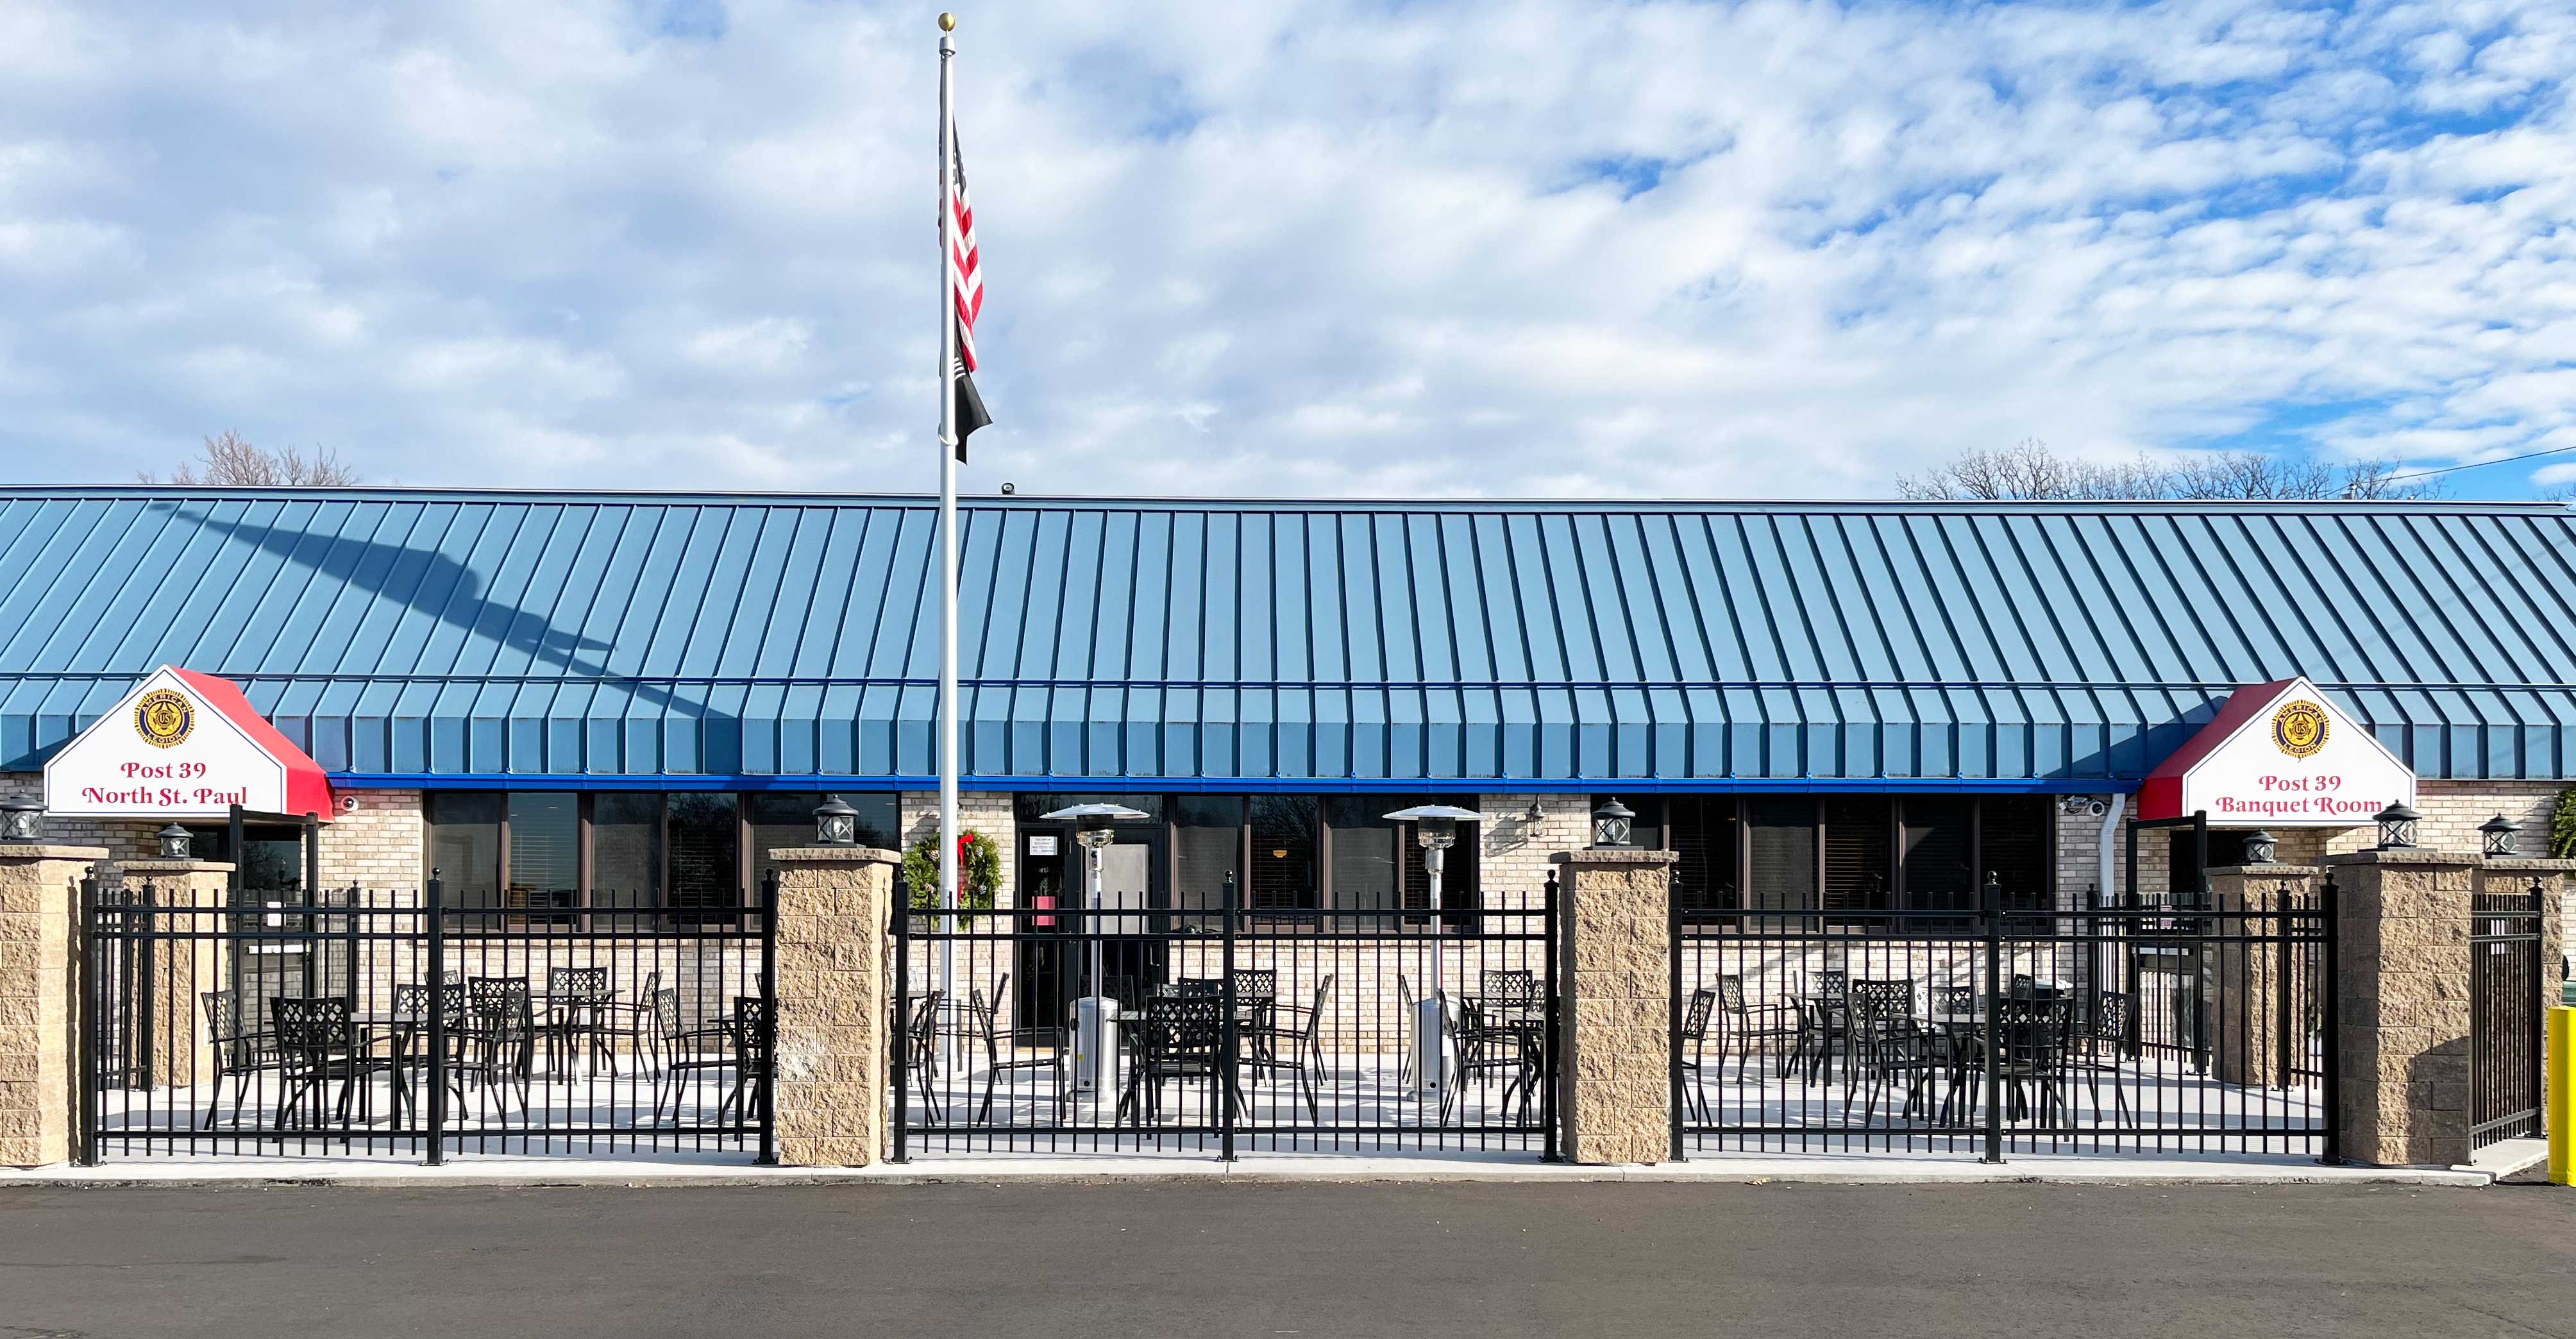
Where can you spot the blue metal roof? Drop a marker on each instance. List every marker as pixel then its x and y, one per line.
pixel 399 634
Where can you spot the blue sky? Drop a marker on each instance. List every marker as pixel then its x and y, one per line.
pixel 1287 247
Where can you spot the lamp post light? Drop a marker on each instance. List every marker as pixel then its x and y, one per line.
pixel 2503 837
pixel 835 823
pixel 1435 829
pixel 1095 1056
pixel 1612 822
pixel 174 843
pixel 18 820
pixel 2261 848
pixel 2397 827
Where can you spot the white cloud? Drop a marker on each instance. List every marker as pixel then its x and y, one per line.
pixel 1286 246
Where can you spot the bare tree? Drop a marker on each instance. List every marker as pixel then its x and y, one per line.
pixel 230 460
pixel 2031 471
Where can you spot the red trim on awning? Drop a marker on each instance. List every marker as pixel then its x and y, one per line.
pixel 308 788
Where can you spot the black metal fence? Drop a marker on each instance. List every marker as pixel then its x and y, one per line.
pixel 2087 1029
pixel 1355 1030
pixel 2504 1014
pixel 282 1023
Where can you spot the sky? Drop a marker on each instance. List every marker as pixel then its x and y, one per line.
pixel 1511 248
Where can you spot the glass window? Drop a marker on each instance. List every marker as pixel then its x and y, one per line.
pixel 705 850
pixel 1032 806
pixel 778 818
pixel 1936 853
pixel 1283 853
pixel 626 848
pixel 1701 831
pixel 1857 851
pixel 1366 875
pixel 545 849
pixel 1459 889
pixel 1207 846
pixel 2012 844
pixel 1781 831
pixel 465 846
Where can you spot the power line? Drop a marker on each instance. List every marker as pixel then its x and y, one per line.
pixel 2480 464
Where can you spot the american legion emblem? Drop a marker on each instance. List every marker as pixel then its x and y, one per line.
pixel 2300 729
pixel 164 718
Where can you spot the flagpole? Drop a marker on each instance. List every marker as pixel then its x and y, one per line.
pixel 948 871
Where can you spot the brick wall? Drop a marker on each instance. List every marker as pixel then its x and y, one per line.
pixel 1516 851
pixel 378 846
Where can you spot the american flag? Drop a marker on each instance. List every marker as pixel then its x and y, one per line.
pixel 966 291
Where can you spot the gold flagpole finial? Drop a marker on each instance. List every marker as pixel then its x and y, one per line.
pixel 947 23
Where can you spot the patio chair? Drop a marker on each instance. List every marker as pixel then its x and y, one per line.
pixel 1742 1025
pixel 318 1044
pixel 1489 1045
pixel 1179 1037
pixel 919 1055
pixel 2031 1037
pixel 1880 1010
pixel 577 999
pixel 241 1054
pixel 750 1028
pixel 1002 1048
pixel 2101 1047
pixel 1404 1032
pixel 1694 1035
pixel 411 1014
pixel 1256 994
pixel 688 1051
pixel 1302 1032
pixel 501 1032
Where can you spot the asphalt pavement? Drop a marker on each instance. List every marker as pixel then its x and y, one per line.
pixel 1413 1259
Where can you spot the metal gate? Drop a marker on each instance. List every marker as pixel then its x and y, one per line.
pixel 2504 1015
pixel 1222 1029
pixel 269 1024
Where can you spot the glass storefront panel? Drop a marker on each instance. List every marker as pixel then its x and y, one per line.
pixel 1207 848
pixel 1781 831
pixel 545 849
pixel 626 848
pixel 1284 839
pixel 1366 871
pixel 465 846
pixel 705 849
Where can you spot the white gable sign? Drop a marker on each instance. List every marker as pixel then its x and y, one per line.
pixel 183 745
pixel 2279 755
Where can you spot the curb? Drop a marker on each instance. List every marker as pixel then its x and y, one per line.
pixel 1750 1171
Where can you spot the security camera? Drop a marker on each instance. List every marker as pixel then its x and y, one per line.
pixel 2091 806
pixel 348 804
pixel 1008 489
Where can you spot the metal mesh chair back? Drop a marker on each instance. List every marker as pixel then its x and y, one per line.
pixel 1256 984
pixel 2111 1016
pixel 1832 985
pixel 1883 999
pixel 1953 999
pixel 309 1026
pixel 224 1027
pixel 1182 1028
pixel 1516 988
pixel 576 984
pixel 411 1003
pixel 1695 1023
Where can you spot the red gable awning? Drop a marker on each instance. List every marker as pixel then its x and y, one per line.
pixel 2278 754
pixel 183 744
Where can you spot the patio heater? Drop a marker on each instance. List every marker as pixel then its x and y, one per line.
pixel 1435 828
pixel 1095 1014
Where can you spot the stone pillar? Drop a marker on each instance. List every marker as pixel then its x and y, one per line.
pixel 2402 971
pixel 178 970
pixel 39 1000
pixel 2264 1010
pixel 832 998
pixel 1615 1080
